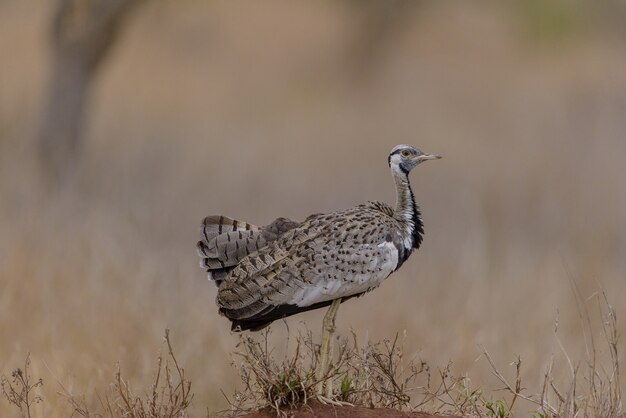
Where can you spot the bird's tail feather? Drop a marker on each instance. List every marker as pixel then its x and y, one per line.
pixel 224 242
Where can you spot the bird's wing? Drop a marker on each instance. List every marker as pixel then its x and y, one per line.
pixel 224 241
pixel 327 257
pixel 252 278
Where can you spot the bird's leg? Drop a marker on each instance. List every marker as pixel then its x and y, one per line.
pixel 329 382
pixel 328 328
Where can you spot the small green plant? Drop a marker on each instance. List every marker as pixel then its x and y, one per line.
pixel 497 408
pixel 345 388
pixel 472 402
pixel 287 389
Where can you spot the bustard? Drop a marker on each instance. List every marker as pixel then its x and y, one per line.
pixel 271 272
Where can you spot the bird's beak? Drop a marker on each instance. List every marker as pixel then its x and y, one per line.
pixel 424 157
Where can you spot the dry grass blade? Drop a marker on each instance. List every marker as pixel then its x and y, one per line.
pixel 598 393
pixel 170 395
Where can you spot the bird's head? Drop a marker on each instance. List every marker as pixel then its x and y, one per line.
pixel 406 157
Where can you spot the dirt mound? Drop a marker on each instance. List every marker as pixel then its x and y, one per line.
pixel 315 409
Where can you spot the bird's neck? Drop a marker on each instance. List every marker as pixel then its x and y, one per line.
pixel 407 212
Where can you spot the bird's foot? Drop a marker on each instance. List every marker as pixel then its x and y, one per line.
pixel 328 401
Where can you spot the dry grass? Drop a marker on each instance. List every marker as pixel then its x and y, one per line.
pixel 210 107
pixel 168 396
pixel 593 389
pixel 379 375
pixel 20 391
pixel 372 376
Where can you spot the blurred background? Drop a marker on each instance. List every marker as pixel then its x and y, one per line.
pixel 124 123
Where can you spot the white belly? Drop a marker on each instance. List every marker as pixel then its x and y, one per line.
pixel 350 282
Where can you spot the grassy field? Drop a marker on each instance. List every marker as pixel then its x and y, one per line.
pixel 258 111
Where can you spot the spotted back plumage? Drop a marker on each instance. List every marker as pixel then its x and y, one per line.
pixel 268 273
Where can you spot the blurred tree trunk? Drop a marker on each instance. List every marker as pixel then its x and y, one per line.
pixel 82 33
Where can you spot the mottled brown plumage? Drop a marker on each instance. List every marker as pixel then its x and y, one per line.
pixel 286 267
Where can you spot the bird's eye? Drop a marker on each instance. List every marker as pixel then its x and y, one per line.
pixel 406 153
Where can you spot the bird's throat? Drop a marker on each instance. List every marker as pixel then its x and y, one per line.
pixel 407 212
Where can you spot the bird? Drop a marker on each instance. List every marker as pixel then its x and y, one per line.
pixel 266 273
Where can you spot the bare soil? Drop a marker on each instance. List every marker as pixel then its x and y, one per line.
pixel 315 409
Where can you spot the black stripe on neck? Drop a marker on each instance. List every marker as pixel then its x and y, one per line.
pixel 417 231
pixel 418 225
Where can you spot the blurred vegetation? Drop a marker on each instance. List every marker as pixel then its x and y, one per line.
pixel 550 20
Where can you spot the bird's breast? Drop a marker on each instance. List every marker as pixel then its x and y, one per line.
pixel 346 273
